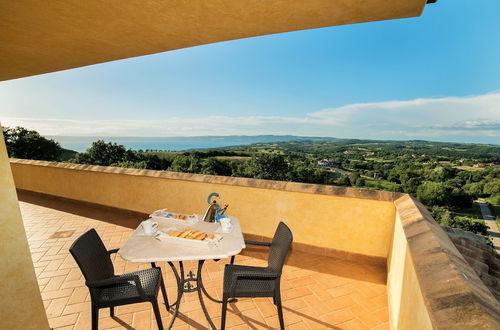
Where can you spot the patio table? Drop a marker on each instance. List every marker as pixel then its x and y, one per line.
pixel 149 249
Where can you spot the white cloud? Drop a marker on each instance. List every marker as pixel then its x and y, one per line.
pixel 431 118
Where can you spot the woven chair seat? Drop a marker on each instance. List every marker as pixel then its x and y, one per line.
pixel 249 286
pixel 149 278
pixel 108 290
pixel 249 281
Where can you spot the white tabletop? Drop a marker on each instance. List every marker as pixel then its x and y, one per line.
pixel 149 249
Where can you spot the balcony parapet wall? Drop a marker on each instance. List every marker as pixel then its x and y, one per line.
pixel 435 273
pixel 379 195
pixel 349 223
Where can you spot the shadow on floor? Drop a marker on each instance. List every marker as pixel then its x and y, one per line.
pixel 116 216
pixel 130 219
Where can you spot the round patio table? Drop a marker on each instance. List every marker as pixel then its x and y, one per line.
pixel 149 249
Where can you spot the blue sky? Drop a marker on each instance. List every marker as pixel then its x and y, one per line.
pixel 434 77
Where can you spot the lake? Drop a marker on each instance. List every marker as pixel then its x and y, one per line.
pixel 172 144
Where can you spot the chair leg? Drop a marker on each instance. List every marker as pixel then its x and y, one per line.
pixel 112 311
pixel 232 260
pixel 157 314
pixel 224 310
pixel 95 317
pixel 164 293
pixel 280 310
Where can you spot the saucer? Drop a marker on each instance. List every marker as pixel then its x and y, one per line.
pixel 220 231
pixel 141 232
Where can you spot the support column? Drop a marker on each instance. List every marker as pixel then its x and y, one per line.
pixel 21 305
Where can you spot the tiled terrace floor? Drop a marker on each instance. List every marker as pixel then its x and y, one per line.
pixel 318 292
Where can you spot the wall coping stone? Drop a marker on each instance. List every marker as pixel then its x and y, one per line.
pixel 348 192
pixel 455 296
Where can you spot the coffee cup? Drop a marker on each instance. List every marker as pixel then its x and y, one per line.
pixel 149 226
pixel 225 224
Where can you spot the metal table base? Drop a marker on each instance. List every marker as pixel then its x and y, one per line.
pixel 185 285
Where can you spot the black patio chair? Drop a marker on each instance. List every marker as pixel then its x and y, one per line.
pixel 110 290
pixel 249 282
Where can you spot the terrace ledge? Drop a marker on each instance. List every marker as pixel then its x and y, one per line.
pixel 454 295
pixel 349 192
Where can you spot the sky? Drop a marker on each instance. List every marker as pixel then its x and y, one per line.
pixel 434 77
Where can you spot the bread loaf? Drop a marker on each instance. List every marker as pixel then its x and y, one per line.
pixel 185 233
pixel 199 236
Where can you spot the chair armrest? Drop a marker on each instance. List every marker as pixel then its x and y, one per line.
pixel 258 243
pixel 113 251
pixel 254 275
pixel 249 274
pixel 119 280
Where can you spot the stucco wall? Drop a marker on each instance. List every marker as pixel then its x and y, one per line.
pixel 21 304
pixel 406 303
pixel 430 284
pixel 362 224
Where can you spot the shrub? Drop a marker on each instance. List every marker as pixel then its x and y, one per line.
pixel 445 218
pixel 470 224
pixel 494 200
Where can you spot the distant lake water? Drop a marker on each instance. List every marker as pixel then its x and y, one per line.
pixel 84 143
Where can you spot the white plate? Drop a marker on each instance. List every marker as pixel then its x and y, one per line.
pixel 162 215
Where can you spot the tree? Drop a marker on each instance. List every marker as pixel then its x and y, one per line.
pixel 360 182
pixel 23 143
pixel 470 224
pixel 460 199
pixel 442 173
pixel 129 164
pixel 215 166
pixel 268 166
pixel 353 178
pixel 445 218
pixel 492 187
pixel 441 215
pixel 105 154
pixel 434 193
pixel 474 189
pixel 187 162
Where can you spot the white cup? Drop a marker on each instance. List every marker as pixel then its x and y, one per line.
pixel 225 224
pixel 149 225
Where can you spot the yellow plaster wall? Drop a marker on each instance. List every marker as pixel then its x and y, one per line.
pixel 39 36
pixel 350 224
pixel 21 304
pixel 407 309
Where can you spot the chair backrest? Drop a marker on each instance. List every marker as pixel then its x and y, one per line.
pixel 279 247
pixel 92 257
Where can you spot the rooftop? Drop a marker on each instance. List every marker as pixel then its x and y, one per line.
pixel 319 292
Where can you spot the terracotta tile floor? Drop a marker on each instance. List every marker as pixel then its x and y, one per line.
pixel 318 292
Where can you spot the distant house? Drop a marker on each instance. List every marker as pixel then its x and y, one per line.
pixel 324 163
pixel 479 165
